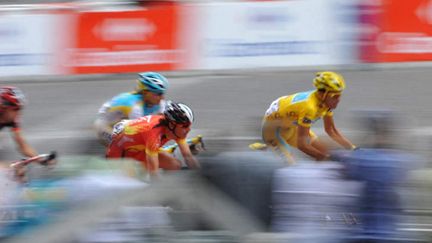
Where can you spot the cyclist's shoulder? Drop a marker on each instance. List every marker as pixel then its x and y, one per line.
pixel 297 100
pixel 149 119
pixel 146 127
pixel 127 98
pixel 156 118
pixel 142 109
pixel 303 96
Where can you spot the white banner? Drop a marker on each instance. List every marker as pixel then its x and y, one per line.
pixel 27 43
pixel 268 34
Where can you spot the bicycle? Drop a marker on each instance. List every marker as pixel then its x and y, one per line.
pixel 26 205
pixel 16 212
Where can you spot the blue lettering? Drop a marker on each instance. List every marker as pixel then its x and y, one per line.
pixel 264 49
pixel 20 59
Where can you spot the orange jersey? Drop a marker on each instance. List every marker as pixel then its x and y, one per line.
pixel 139 135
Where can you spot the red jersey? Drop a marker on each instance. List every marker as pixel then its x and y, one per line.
pixel 14 125
pixel 140 135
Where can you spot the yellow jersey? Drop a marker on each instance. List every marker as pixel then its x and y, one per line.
pixel 302 109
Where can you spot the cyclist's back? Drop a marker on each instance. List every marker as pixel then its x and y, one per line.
pixel 297 109
pixel 142 134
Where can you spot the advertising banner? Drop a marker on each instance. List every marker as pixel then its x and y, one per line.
pixel 267 34
pixel 125 41
pixel 399 31
pixel 27 43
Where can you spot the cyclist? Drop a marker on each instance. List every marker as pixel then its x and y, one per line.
pixel 142 139
pixel 147 99
pixel 12 101
pixel 288 120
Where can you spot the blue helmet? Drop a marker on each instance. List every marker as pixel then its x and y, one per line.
pixel 153 82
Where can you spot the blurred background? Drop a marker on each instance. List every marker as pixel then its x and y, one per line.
pixel 228 60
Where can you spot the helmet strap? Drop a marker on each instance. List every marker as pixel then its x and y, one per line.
pixel 323 97
pixel 172 127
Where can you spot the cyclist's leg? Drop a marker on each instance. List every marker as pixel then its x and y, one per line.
pixel 103 132
pixel 317 143
pixel 287 139
pixel 116 149
pixel 168 162
pixel 280 142
pixel 113 151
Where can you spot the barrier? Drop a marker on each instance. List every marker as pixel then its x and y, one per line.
pixel 77 38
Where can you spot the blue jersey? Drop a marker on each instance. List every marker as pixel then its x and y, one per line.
pixel 127 106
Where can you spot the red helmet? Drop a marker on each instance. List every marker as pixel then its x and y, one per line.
pixel 11 96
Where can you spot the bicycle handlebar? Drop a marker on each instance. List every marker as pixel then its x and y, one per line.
pixel 43 159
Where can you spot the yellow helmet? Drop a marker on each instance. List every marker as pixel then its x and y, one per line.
pixel 329 81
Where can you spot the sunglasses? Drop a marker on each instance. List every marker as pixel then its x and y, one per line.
pixel 158 94
pixel 12 107
pixel 185 125
pixel 333 94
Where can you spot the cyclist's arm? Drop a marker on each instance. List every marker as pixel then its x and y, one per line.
pixel 103 125
pixel 152 160
pixel 190 160
pixel 305 146
pixel 24 148
pixel 334 133
pixel 108 116
pixel 103 130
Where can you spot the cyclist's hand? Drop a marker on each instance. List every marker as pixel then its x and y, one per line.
pixel 323 157
pixel 20 174
pixel 340 154
pixel 50 161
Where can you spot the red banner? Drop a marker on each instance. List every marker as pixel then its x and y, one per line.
pixel 126 41
pixel 396 31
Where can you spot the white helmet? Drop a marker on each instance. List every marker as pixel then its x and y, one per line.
pixel 178 113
